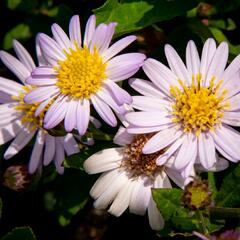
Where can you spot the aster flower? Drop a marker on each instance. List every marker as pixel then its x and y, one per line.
pixel 81 73
pixel 190 107
pixel 18 121
pixel 128 176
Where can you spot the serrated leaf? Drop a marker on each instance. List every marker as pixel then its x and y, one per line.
pixel 132 15
pixel 20 32
pixel 25 233
pixel 229 193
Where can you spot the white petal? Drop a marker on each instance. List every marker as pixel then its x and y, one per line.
pixel 187 152
pixel 89 31
pixel 117 47
pixel 15 66
pixel 140 197
pixel 70 121
pixel 104 160
pixel 122 137
pixel 83 115
pixel 154 216
pixel 104 111
pixel 36 155
pixel 206 150
pixel 75 31
pixel 208 52
pixel 176 64
pixel 49 149
pixel 220 165
pixel 161 140
pixel 192 59
pixel 19 143
pixel 218 63
pixel 108 196
pixel 146 88
pixel 23 55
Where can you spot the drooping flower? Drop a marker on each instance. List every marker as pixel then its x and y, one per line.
pixel 18 121
pixel 81 73
pixel 128 176
pixel 190 107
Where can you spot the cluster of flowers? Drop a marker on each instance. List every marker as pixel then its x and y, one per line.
pixel 180 121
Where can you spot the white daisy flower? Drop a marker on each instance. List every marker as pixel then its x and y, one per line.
pixel 81 73
pixel 128 176
pixel 190 107
pixel 18 121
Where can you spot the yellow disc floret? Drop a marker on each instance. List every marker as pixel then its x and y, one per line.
pixel 28 110
pixel 198 108
pixel 81 73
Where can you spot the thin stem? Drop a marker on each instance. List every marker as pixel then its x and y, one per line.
pixel 203 225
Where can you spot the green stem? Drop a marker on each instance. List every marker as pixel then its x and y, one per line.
pixel 223 212
pixel 203 225
pixel 212 185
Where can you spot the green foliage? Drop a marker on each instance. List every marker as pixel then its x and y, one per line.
pixel 134 15
pixel 229 193
pixel 0 207
pixel 20 32
pixel 18 233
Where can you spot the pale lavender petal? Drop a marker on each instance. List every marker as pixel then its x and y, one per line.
pixel 50 48
pixel 206 150
pixel 104 111
pixel 108 36
pixel 23 55
pixel 59 156
pixel 122 72
pixel 120 95
pixel 234 103
pixel 44 71
pixel 40 94
pixel 41 59
pixel 70 145
pixel 49 151
pixel 192 59
pixel 15 66
pixel 122 137
pixel 228 140
pixel 187 152
pixel 146 88
pixel 41 81
pixel 218 63
pixel 5 97
pixel 95 122
pixel 61 37
pixel 161 140
pixel 75 31
pixel 231 118
pixel 175 177
pixel 117 47
pixel 98 37
pixel 36 155
pixel 9 131
pixel 70 121
pixel 177 65
pixel 10 87
pixel 125 59
pixel 19 142
pixel 89 31
pixel 151 104
pixel 138 130
pixel 83 115
pixel 55 113
pixel 160 75
pixel 208 52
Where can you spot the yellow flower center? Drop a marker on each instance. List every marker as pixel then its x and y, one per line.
pixel 28 110
pixel 81 73
pixel 198 108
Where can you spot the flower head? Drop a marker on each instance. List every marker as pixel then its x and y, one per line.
pixel 80 73
pixel 128 176
pixel 190 107
pixel 18 119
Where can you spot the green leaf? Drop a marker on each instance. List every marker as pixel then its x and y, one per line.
pixel 228 25
pixel 12 4
pixel 132 15
pixel 229 193
pixel 18 233
pixel 20 32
